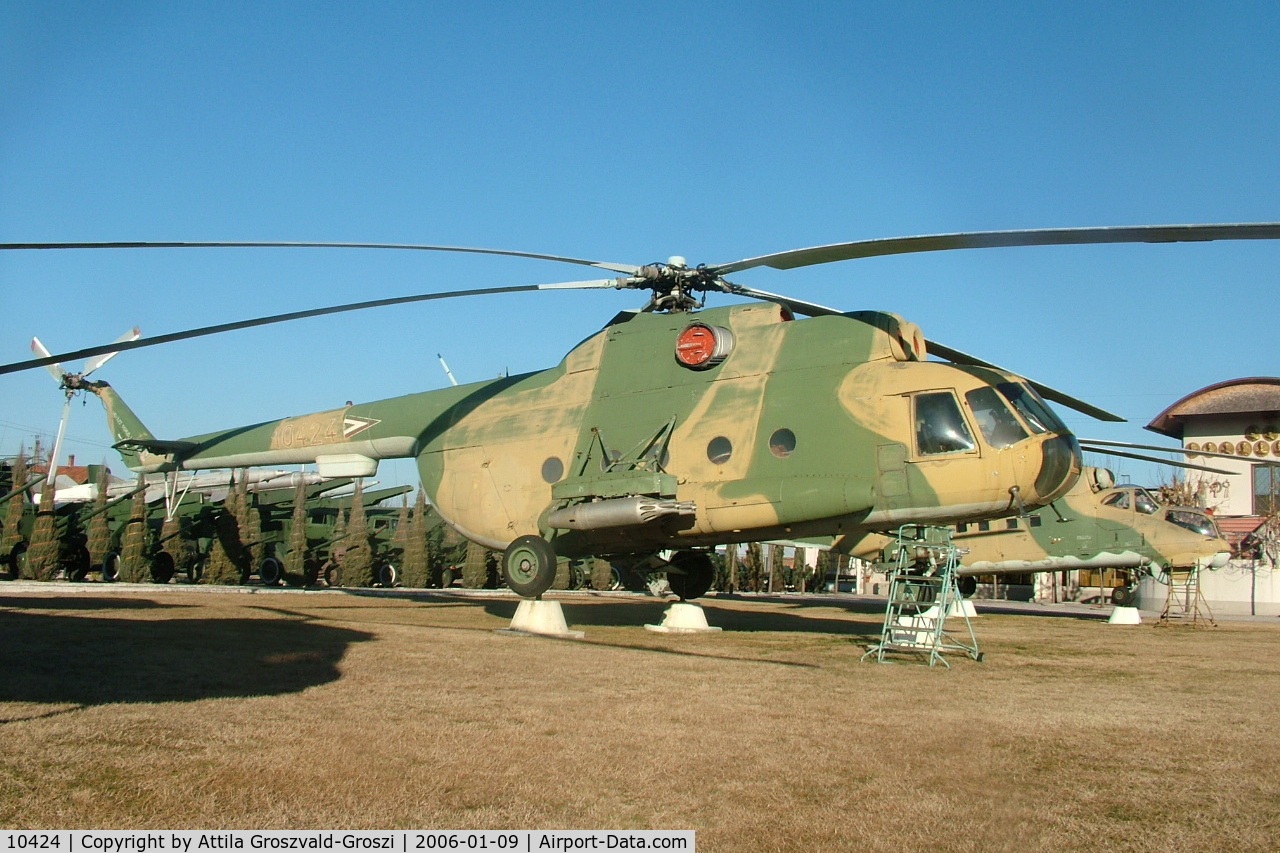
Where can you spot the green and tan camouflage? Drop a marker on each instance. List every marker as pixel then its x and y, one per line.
pixel 1096 525
pixel 686 430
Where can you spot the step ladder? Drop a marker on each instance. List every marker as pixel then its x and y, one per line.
pixel 923 592
pixel 1183 603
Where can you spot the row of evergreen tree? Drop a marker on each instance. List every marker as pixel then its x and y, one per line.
pixel 420 552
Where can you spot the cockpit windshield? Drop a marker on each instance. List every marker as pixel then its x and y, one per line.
pixel 999 426
pixel 1034 410
pixel 1144 503
pixel 1142 500
pixel 1196 522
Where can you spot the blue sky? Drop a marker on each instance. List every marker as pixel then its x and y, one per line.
pixel 624 133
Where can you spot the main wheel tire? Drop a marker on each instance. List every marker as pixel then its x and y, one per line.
pixel 693 576
pixel 529 566
pixel 162 567
pixel 968 585
pixel 78 564
pixel 386 575
pixel 111 566
pixel 270 571
pixel 17 561
pixel 1123 596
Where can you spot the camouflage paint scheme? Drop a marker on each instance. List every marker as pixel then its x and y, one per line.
pixel 620 417
pixel 1102 526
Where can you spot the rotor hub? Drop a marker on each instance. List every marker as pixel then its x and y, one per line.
pixel 676 287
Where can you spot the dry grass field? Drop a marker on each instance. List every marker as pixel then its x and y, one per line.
pixel 140 708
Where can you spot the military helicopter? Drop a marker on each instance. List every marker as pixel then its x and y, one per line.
pixel 679 427
pixel 1096 525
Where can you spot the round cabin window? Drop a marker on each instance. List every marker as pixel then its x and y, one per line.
pixel 552 469
pixel 719 449
pixel 782 443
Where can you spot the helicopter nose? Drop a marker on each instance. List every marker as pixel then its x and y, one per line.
pixel 1060 466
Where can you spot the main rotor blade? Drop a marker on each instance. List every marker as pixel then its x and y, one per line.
pixel 1049 393
pixel 296 315
pixel 94 363
pixel 1145 458
pixel 798 306
pixel 998 239
pixel 1101 443
pixel 629 269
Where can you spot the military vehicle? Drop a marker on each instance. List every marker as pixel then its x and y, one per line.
pixel 677 427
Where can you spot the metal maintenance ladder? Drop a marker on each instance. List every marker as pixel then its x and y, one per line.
pixel 923 592
pixel 1183 603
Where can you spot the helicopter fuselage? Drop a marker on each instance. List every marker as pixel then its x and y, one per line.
pixel 682 430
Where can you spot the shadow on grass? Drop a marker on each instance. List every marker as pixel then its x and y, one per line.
pixel 99 660
pixel 772 616
pixel 77 602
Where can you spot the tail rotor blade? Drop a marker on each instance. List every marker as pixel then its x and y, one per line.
pixel 96 362
pixel 55 455
pixel 43 353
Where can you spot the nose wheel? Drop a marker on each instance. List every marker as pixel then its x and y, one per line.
pixel 529 566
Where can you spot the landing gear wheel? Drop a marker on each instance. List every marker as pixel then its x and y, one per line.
pixel 17 561
pixel 78 566
pixel 694 576
pixel 968 585
pixel 387 575
pixel 270 571
pixel 111 566
pixel 162 567
pixel 529 566
pixel 1123 596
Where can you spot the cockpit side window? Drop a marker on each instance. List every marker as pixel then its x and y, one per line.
pixel 999 427
pixel 940 426
pixel 1034 411
pixel 1119 500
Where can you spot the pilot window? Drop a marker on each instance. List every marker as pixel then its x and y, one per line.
pixel 940 427
pixel 999 427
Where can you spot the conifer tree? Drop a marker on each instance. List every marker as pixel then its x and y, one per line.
pixel 99 529
pixel 42 551
pixel 133 559
pixel 777 574
pixel 357 562
pixel 223 564
pixel 176 545
pixel 754 567
pixel 247 532
pixel 295 562
pixel 14 509
pixel 601 574
pixel 475 571
pixel 825 564
pixel 413 565
pixel 338 547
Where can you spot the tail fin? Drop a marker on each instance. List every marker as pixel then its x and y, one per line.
pixel 130 434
